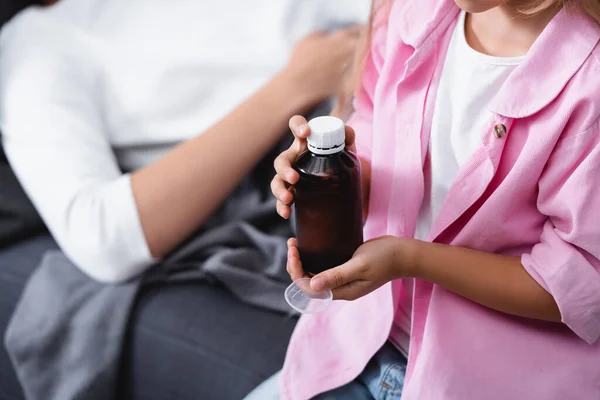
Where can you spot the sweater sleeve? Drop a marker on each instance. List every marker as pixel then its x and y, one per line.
pixel 55 141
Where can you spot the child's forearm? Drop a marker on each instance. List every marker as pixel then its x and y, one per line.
pixel 496 281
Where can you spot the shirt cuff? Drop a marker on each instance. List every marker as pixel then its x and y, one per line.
pixel 571 279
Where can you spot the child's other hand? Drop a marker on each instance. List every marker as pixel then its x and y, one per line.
pixel 375 263
pixel 287 177
pixel 294 265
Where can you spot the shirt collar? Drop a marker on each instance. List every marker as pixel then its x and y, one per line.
pixel 562 48
pixel 557 54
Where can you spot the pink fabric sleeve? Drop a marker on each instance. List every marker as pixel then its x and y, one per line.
pixel 566 262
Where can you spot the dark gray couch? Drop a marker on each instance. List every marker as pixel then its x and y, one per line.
pixel 185 342
pixel 192 341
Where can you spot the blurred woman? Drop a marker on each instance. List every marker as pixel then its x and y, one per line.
pixel 118 116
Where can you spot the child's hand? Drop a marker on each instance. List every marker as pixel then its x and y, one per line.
pixel 282 184
pixel 375 263
pixel 294 265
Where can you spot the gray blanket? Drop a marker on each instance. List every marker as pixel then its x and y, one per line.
pixel 67 332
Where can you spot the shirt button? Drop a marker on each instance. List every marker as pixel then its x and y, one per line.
pixel 499 131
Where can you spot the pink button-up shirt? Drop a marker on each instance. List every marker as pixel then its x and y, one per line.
pixel 531 190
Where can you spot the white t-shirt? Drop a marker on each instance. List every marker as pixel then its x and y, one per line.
pixel 91 88
pixel 469 81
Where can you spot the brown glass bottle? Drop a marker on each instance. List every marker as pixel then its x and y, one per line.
pixel 328 202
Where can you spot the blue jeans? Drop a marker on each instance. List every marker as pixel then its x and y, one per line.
pixel 382 379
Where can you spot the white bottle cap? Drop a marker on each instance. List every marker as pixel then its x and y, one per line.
pixel 327 135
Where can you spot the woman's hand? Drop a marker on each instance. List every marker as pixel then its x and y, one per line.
pixel 375 263
pixel 322 63
pixel 286 177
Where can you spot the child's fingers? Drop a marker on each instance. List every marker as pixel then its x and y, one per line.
pixel 294 267
pixel 283 210
pixel 299 127
pixel 281 191
pixel 301 130
pixel 293 248
pixel 284 166
pixel 352 291
pixel 350 136
pixel 338 276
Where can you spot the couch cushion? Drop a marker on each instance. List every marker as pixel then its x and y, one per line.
pixel 192 341
pixel 195 341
